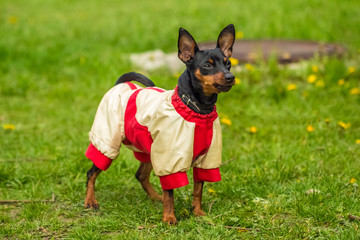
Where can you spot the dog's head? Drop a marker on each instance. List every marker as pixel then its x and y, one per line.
pixel 210 67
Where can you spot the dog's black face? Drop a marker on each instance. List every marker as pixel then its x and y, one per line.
pixel 210 68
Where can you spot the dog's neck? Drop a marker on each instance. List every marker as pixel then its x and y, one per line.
pixel 191 93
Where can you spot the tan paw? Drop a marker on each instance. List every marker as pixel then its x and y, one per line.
pixel 169 219
pixel 91 203
pixel 198 212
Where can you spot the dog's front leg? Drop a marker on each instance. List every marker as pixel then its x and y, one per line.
pixel 168 202
pixel 90 200
pixel 197 196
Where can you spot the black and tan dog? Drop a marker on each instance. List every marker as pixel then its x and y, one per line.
pixel 169 131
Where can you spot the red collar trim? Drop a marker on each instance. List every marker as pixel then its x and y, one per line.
pixel 188 114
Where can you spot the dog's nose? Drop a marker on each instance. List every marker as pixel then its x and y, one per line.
pixel 229 78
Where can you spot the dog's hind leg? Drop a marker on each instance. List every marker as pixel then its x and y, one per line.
pixel 90 201
pixel 143 175
pixel 197 194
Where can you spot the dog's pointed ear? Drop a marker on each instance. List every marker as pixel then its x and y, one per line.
pixel 187 46
pixel 226 40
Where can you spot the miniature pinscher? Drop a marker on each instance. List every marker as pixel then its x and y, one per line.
pixel 168 131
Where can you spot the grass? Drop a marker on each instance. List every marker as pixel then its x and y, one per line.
pixel 58 58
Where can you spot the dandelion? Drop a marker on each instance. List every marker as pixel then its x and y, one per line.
pixel 252 129
pixel 341 82
pixel 9 127
pixel 291 87
pixel 186 212
pixel 352 180
pixel 234 61
pixel 355 91
pixel 249 67
pixel 320 83
pixel 226 121
pixel 237 81
pixel 351 69
pixel 327 120
pixel 12 20
pixel 311 78
pixel 298 180
pixel 344 125
pixel 357 141
pixel 239 35
pixel 212 191
pixel 314 69
pixel 310 128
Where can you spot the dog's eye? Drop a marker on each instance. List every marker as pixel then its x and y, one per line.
pixel 228 63
pixel 207 65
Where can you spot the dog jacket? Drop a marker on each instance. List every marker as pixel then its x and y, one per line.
pixel 159 128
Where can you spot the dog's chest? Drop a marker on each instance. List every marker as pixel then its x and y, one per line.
pixel 157 120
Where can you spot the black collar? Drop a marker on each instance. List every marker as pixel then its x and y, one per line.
pixel 192 97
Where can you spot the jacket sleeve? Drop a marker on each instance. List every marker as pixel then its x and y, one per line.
pixel 107 130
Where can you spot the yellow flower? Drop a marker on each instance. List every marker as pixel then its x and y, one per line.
pixel 237 80
pixel 327 120
pixel 314 69
pixel 186 212
pixel 355 91
pixel 311 78
pixel 239 35
pixel 344 125
pixel 357 141
pixel 341 82
pixel 252 129
pixel 352 180
pixel 351 69
pixel 234 61
pixel 212 191
pixel 226 121
pixel 310 128
pixel 9 127
pixel 12 20
pixel 298 180
pixel 249 67
pixel 320 83
pixel 291 87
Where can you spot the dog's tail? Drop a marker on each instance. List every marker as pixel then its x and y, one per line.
pixel 133 76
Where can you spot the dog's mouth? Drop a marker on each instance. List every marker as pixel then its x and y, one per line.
pixel 223 88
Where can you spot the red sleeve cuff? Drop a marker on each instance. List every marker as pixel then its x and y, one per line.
pixel 99 159
pixel 206 175
pixel 175 180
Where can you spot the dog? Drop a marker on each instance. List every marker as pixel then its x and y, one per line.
pixel 168 131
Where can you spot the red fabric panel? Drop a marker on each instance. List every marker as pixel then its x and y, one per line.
pixel 99 159
pixel 175 180
pixel 131 85
pixel 142 157
pixel 202 139
pixel 206 175
pixel 136 134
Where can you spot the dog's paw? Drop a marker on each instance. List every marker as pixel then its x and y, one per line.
pixel 198 212
pixel 169 219
pixel 92 204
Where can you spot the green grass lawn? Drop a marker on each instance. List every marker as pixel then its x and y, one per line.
pixel 284 132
